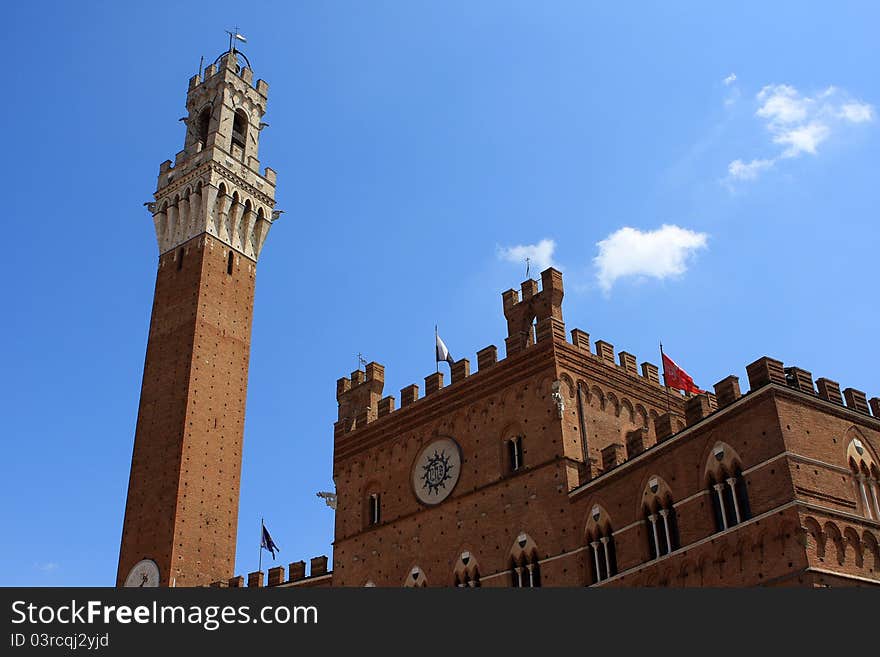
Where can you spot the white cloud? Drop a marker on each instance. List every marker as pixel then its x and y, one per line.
pixel 540 255
pixel 857 112
pixel 730 79
pixel 46 567
pixel 748 170
pixel 630 252
pixel 803 139
pixel 799 123
pixel 782 105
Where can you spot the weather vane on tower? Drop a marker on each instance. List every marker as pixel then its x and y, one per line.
pixel 235 35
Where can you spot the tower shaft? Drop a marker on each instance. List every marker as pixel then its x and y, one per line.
pixel 212 213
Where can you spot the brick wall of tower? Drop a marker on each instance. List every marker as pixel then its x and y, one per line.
pixel 182 507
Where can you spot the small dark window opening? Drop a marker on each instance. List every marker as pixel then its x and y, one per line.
pixel 202 126
pixel 515 453
pixel 230 262
pixel 239 130
pixel 374 511
pixel 180 260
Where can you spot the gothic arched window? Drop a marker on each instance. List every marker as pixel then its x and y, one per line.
pixel 525 567
pixel 467 572
pixel 661 521
pixel 600 546
pixel 727 488
pixel 866 478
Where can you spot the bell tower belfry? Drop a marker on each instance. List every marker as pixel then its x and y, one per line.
pixel 212 212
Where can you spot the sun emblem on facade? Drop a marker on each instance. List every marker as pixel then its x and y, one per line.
pixel 436 472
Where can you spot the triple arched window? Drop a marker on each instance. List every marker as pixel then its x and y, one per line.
pixel 467 571
pixel 866 478
pixel 600 546
pixel 727 488
pixel 661 521
pixel 525 567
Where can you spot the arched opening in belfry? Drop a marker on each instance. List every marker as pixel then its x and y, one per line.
pixel 202 125
pixel 239 130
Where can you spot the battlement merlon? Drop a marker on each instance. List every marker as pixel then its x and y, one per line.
pixel 359 396
pixel 538 315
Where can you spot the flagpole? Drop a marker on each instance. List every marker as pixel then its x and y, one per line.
pixel 260 567
pixel 663 363
pixel 436 355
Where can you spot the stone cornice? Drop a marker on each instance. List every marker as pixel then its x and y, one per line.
pixel 193 175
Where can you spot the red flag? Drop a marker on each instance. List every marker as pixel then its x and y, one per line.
pixel 675 377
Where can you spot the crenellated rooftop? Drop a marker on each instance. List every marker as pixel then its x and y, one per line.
pixel 535 318
pixel 318 570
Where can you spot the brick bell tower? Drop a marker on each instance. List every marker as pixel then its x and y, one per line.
pixel 212 211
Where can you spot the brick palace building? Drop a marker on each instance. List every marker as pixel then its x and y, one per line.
pixel 561 464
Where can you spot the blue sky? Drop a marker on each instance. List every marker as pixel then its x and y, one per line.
pixel 702 174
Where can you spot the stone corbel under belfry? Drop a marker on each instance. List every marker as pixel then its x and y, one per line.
pixel 205 210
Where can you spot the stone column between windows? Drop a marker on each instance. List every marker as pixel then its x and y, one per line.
pixel 595 546
pixel 653 520
pixel 863 490
pixel 731 481
pixel 718 490
pixel 604 540
pixel 664 513
pixel 874 485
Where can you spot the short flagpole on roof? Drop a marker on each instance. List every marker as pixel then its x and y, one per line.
pixel 436 354
pixel 663 363
pixel 260 567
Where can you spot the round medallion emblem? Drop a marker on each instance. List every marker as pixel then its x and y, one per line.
pixel 436 471
pixel 143 573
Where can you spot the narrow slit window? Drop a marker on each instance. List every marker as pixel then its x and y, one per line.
pixel 375 509
pixel 515 453
pixel 229 263
pixel 179 259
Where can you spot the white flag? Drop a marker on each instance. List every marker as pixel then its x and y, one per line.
pixel 442 351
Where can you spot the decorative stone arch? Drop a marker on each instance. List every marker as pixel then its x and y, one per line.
pixel 598 520
pixel 626 411
pixel 813 530
pixel 835 537
pixel 597 398
pixel 871 549
pixel 852 540
pixel 567 384
pixel 613 404
pixel 721 461
pixel 415 579
pixel 655 491
pixel 641 415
